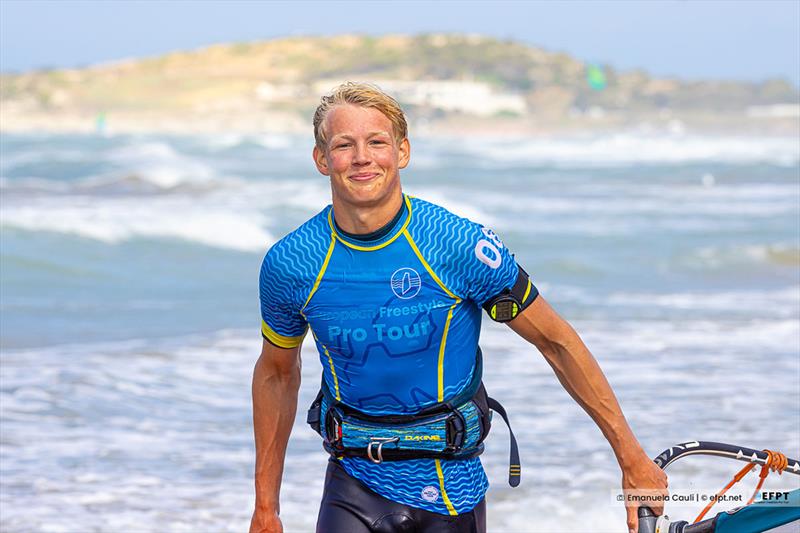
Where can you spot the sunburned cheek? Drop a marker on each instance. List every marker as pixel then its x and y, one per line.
pixel 339 165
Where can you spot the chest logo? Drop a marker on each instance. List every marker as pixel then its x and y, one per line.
pixel 405 283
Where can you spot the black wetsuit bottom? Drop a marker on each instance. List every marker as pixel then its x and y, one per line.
pixel 349 506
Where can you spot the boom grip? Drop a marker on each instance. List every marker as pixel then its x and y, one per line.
pixel 647 520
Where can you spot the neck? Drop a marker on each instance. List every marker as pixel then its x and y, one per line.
pixel 360 220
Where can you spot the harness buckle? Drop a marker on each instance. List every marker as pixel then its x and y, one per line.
pixel 333 427
pixel 456 429
pixel 379 441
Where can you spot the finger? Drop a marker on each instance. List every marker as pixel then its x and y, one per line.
pixel 633 518
pixel 658 509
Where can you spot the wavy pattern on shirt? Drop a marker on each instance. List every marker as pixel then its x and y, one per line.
pixel 448 243
pixel 404 481
pixel 288 272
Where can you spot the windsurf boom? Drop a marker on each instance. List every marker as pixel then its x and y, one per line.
pixel 752 518
pixel 719 449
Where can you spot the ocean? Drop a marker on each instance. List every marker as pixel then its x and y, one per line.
pixel 130 318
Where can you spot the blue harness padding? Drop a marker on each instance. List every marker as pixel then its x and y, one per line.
pixel 447 430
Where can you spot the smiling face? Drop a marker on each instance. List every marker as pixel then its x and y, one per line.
pixel 362 158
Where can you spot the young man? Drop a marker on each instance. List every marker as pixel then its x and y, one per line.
pixel 391 288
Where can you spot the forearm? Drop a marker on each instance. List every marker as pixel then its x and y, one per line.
pixel 581 376
pixel 579 373
pixel 274 408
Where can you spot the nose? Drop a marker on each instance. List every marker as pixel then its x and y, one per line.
pixel 361 155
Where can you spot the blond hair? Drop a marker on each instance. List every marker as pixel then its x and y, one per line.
pixel 362 95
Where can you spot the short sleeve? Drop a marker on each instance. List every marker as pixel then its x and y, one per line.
pixel 490 265
pixel 281 321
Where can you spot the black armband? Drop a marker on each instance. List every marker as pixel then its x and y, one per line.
pixel 510 303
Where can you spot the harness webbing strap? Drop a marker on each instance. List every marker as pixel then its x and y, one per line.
pixel 515 467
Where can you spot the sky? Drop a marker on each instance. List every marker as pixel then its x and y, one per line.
pixel 735 39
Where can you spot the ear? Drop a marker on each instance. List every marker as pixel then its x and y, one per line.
pixel 405 153
pixel 321 160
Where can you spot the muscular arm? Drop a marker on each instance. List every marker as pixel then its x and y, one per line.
pixel 579 373
pixel 276 381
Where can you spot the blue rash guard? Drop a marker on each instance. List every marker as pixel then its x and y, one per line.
pixel 396 321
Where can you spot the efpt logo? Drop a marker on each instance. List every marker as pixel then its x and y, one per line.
pixel 405 283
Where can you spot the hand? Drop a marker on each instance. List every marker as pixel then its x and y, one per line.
pixel 265 522
pixel 643 476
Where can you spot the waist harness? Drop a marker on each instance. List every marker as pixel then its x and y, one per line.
pixel 454 429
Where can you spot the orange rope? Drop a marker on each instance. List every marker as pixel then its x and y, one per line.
pixel 776 462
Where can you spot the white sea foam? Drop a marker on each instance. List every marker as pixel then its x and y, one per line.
pixel 152 161
pixel 781 253
pixel 270 141
pixel 275 141
pixel 221 141
pixel 309 196
pixel 234 214
pixel 143 433
pixel 751 311
pixel 145 150
pixel 667 199
pixel 160 164
pixel 616 149
pixel 784 301
pixel 114 220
